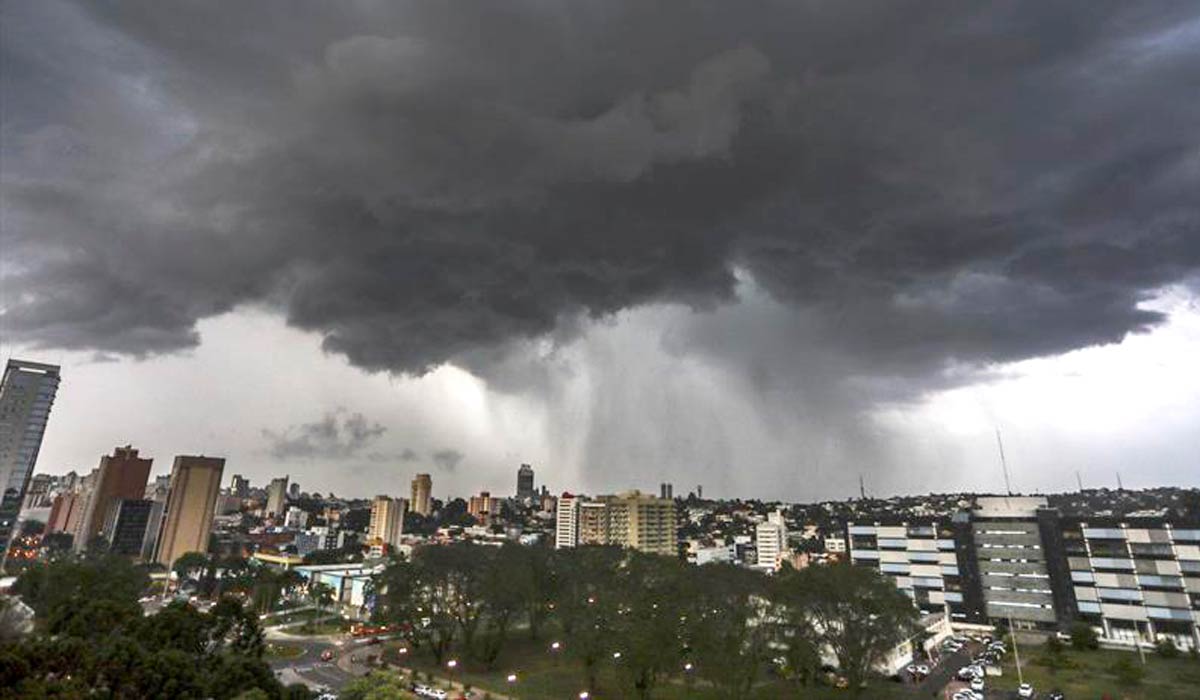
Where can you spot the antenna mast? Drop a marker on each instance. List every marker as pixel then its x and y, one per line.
pixel 1079 480
pixel 1003 463
pixel 862 490
pixel 1120 486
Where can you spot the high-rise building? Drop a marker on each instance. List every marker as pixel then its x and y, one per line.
pixel 125 526
pixel 277 496
pixel 64 510
pixel 483 507
pixel 121 475
pixel 525 489
pixel 422 488
pixel 593 522
pixel 239 486
pixel 295 519
pixel 195 483
pixel 387 520
pixel 154 523
pixel 666 490
pixel 566 526
pixel 294 491
pixel 642 522
pixel 770 540
pixel 27 392
pixel 38 493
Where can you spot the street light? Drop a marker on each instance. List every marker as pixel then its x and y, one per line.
pixel 555 646
pixel 616 654
pixel 452 664
pixel 584 695
pixel 512 678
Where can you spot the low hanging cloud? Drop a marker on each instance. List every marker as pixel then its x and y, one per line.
pixel 915 186
pixel 448 459
pixel 338 435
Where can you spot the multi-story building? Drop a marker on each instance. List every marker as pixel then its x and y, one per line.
pixel 295 518
pixel 771 541
pixel 239 486
pixel 294 491
pixel 593 522
pixel 38 494
pixel 666 490
pixel 642 522
pixel 27 393
pixel 188 516
pixel 276 497
pixel 525 488
pixel 566 525
pixel 919 555
pixel 125 526
pixel 483 507
pixel 1136 581
pixel 65 509
pixel 422 494
pixel 1012 561
pixel 120 476
pixel 387 520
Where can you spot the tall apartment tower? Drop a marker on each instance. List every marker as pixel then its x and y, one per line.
pixel 566 525
pixel 642 522
pixel 239 486
pixel 120 476
pixel 27 392
pixel 387 520
pixel 525 490
pixel 422 487
pixel 770 539
pixel 277 496
pixel 195 483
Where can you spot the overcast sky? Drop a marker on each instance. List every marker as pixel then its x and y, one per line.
pixel 764 247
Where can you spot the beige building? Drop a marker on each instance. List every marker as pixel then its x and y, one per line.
pixel 121 476
pixel 195 483
pixel 277 497
pixel 422 489
pixel 593 522
pixel 631 519
pixel 483 507
pixel 387 520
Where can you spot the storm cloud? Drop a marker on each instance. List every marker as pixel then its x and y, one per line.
pixel 919 186
pixel 338 434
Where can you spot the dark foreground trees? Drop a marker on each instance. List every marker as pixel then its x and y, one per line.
pixel 91 640
pixel 643 620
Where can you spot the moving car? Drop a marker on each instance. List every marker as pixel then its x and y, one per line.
pixel 1025 691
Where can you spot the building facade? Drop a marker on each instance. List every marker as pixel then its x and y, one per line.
pixel 642 522
pixel 276 497
pixel 120 476
pixel 771 541
pixel 525 487
pixel 387 520
pixel 188 515
pixel 27 393
pixel 566 524
pixel 422 495
pixel 125 526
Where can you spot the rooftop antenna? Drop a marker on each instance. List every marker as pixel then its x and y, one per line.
pixel 862 490
pixel 1003 463
pixel 1079 480
pixel 1120 486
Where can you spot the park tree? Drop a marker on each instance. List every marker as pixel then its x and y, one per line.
pixel 504 591
pixel 321 595
pixel 417 600
pixel 53 589
pixel 857 613
pixel 1083 636
pixel 729 628
pixel 653 596
pixel 375 686
pixel 587 604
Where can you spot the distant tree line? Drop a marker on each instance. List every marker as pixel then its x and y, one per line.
pixel 659 618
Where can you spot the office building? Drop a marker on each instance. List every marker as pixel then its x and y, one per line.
pixel 525 487
pixel 642 522
pixel 295 519
pixel 666 490
pixel 27 393
pixel 1012 564
pixel 239 486
pixel 294 491
pixel 38 494
pixel 387 520
pixel 277 497
pixel 121 475
pixel 188 516
pixel 1136 581
pixel 66 508
pixel 771 541
pixel 422 490
pixel 154 523
pixel 125 526
pixel 483 507
pixel 566 525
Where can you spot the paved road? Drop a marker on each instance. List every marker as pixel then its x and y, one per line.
pixel 308 668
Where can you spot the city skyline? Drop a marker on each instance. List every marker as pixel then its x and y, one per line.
pixel 722 255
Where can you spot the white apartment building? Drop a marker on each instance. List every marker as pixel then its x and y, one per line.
pixel 566 528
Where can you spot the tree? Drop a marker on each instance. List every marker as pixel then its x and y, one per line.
pixel 503 591
pixel 54 589
pixel 412 597
pixel 1127 672
pixel 321 595
pixel 858 614
pixel 375 686
pixel 1166 648
pixel 652 593
pixel 1083 636
pixel 14 621
pixel 728 628
pixel 586 603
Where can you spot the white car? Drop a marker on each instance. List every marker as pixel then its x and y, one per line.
pixel 1025 691
pixel 977 684
pixel 923 670
pixel 437 694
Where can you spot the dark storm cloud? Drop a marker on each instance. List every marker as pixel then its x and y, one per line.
pixel 338 435
pixel 924 183
pixel 448 460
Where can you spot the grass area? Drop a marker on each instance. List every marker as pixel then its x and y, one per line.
pixel 544 676
pixel 333 626
pixel 1093 674
pixel 303 615
pixel 283 651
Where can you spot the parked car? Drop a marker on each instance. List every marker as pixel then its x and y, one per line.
pixel 1056 695
pixel 1025 691
pixel 977 684
pixel 327 655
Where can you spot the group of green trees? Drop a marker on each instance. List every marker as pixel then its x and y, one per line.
pixel 648 618
pixel 92 639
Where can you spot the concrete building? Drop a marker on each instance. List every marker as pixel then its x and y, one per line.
pixel 666 490
pixel 1136 582
pixel 187 521
pixel 525 487
pixel 835 545
pixel 125 526
pixel 295 518
pixel 566 525
pixel 66 508
pixel 387 520
pixel 38 495
pixel 1012 563
pixel 120 476
pixel 154 523
pixel 593 522
pixel 27 393
pixel 642 522
pixel 771 541
pixel 277 497
pixel 239 486
pixel 294 491
pixel 483 507
pixel 422 494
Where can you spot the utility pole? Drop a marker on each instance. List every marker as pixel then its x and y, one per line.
pixel 1003 463
pixel 1016 652
pixel 1079 480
